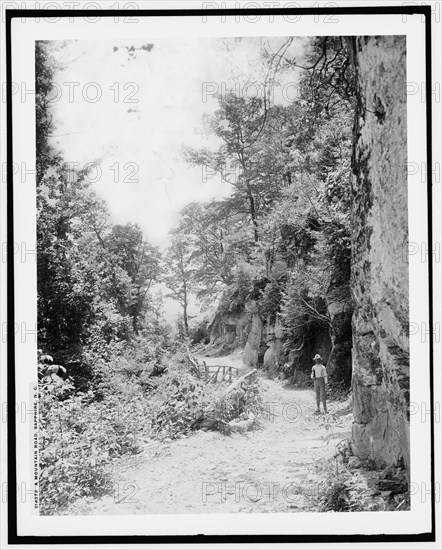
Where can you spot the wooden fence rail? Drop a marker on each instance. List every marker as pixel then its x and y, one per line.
pixel 211 373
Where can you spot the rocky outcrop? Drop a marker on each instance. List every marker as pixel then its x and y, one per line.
pixel 272 356
pixel 229 328
pixel 251 350
pixel 379 280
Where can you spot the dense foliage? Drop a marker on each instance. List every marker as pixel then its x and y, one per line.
pixel 97 317
pixel 93 276
pixel 282 237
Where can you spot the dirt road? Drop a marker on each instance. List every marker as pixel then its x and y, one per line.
pixel 270 469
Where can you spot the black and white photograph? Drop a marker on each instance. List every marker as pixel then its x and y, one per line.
pixel 223 257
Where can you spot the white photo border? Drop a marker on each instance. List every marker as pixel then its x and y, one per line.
pixel 25 30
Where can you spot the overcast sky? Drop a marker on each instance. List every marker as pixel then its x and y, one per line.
pixel 132 113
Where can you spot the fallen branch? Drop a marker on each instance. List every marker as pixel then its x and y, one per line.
pixel 246 378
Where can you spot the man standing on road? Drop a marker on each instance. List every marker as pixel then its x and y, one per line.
pixel 319 377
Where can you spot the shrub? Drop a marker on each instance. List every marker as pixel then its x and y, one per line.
pixel 70 465
pixel 183 403
pixel 79 437
pixel 239 402
pixel 348 491
pixel 178 403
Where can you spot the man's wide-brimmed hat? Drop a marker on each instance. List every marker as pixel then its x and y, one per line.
pixel 317 356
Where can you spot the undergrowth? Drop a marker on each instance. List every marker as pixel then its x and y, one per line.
pixel 83 434
pixel 348 484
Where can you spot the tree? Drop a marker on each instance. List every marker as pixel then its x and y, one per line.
pixel 239 123
pixel 215 239
pixel 93 277
pixel 129 252
pixel 45 69
pixel 66 282
pixel 328 76
pixel 286 222
pixel 179 273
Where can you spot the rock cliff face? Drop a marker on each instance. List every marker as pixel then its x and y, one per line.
pixel 274 340
pixel 251 351
pixel 379 261
pixel 263 340
pixel 230 328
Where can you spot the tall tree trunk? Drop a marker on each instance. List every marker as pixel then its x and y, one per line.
pixel 252 211
pixel 135 322
pixel 379 280
pixel 250 197
pixel 185 318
